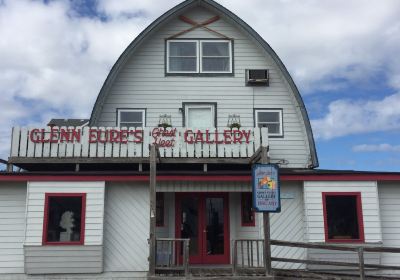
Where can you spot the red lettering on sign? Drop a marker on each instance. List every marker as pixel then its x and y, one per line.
pixel 33 136
pixel 92 135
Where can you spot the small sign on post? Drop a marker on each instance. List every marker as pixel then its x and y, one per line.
pixel 266 188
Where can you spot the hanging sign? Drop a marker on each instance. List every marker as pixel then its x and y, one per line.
pixel 266 189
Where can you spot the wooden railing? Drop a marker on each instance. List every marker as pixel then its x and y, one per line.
pixel 246 254
pixel 172 255
pixel 128 143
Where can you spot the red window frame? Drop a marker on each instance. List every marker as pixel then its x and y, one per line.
pixel 160 196
pixel 243 197
pixel 46 216
pixel 361 238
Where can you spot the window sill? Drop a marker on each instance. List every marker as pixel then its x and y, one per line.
pixel 63 243
pixel 249 225
pixel 345 241
pixel 200 74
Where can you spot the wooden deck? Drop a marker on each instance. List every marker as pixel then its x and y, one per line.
pixel 225 272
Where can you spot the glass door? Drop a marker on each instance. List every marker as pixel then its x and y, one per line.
pixel 204 219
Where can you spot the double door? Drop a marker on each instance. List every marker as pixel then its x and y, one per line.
pixel 204 219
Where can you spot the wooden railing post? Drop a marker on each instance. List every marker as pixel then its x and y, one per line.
pixel 361 262
pixel 234 261
pixel 186 256
pixel 152 195
pixel 266 223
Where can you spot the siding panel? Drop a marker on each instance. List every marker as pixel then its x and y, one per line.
pixel 94 208
pixel 389 199
pixel 12 224
pixel 315 221
pixel 126 227
pixel 63 259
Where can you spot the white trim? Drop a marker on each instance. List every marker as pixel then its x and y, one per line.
pixel 197 56
pixel 131 110
pixel 215 41
pixel 199 106
pixel 280 112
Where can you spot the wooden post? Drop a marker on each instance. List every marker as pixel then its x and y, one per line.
pixel 361 262
pixel 152 241
pixel 234 267
pixel 266 223
pixel 186 257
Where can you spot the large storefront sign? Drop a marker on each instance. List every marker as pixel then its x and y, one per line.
pixel 160 136
pixel 266 188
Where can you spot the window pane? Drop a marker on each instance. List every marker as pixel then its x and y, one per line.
pixel 182 49
pixel 215 48
pixel 342 217
pixel 182 64
pixel 200 118
pixel 129 116
pixel 272 128
pixel 215 225
pixel 159 209
pixel 215 64
pixel 268 117
pixel 247 212
pixel 64 219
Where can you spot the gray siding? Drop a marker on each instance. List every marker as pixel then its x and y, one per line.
pixel 389 199
pixel 63 259
pixel 142 83
pixel 126 227
pixel 315 221
pixel 94 209
pixel 12 224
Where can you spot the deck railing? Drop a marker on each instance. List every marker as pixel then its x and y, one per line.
pixel 172 255
pixel 246 254
pixel 102 142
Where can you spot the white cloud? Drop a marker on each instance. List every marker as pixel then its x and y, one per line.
pixel 53 62
pixel 376 148
pixel 346 117
pixel 323 41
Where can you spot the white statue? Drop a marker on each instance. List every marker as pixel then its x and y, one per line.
pixel 67 223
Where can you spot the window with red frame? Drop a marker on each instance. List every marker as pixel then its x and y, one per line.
pixel 248 219
pixel 343 217
pixel 64 219
pixel 159 209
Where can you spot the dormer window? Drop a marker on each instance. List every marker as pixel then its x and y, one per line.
pixel 199 56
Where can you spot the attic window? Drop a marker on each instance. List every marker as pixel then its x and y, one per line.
pixel 270 118
pixel 199 56
pixel 130 117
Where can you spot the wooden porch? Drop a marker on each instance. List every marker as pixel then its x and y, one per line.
pixel 248 262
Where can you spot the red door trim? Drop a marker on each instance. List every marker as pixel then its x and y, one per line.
pixel 202 258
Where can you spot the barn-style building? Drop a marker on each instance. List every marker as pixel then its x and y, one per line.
pixel 209 92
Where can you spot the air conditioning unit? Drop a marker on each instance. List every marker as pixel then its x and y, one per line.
pixel 257 77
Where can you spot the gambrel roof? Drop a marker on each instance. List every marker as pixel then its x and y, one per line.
pixel 227 15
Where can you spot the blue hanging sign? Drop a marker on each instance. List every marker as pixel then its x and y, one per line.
pixel 266 188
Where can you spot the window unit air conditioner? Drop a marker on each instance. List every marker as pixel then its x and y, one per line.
pixel 257 77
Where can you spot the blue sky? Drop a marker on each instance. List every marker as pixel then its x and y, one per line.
pixel 343 55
